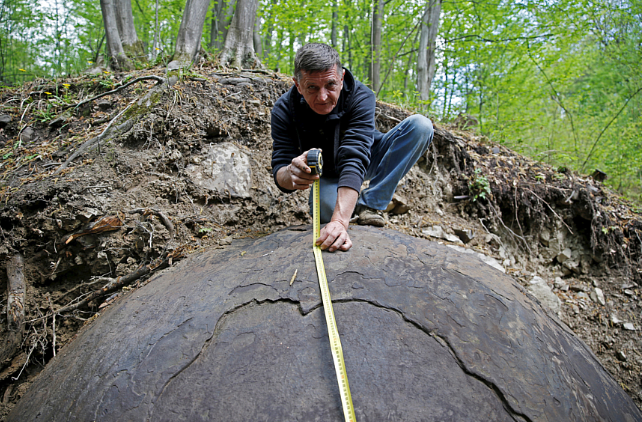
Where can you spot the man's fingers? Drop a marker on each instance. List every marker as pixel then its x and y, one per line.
pixel 346 245
pixel 300 163
pixel 300 179
pixel 334 236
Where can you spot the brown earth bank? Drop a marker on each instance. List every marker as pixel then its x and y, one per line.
pixel 172 166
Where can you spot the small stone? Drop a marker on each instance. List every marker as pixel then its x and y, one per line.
pixel 599 296
pixel 559 283
pixel 566 254
pixel 582 295
pixel 628 326
pixel 545 237
pixel 5 119
pixel 453 238
pixel 466 235
pixel 225 241
pixel 493 240
pixel 544 294
pixel 629 292
pixel 28 134
pixel 615 320
pixel 537 280
pixel 620 355
pixel 104 105
pixel 400 205
pixel 434 231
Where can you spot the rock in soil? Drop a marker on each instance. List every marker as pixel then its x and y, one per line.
pixel 428 333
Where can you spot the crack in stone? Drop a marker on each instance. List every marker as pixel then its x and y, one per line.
pixel 216 332
pixel 440 339
pixel 444 341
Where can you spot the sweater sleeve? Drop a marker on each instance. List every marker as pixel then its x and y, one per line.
pixel 354 152
pixel 285 145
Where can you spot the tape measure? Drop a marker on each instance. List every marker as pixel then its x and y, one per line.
pixel 315 162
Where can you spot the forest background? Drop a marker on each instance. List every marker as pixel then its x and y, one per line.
pixel 557 80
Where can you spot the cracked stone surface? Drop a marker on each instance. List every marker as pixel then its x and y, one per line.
pixel 428 333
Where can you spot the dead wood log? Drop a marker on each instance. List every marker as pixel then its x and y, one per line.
pixel 165 260
pixel 163 218
pixel 15 309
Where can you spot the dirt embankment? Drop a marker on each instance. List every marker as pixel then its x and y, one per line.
pixel 147 192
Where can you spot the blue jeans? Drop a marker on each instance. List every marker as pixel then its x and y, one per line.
pixel 390 160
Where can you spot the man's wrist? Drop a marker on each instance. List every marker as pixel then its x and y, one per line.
pixel 282 177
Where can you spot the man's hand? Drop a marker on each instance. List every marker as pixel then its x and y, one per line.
pixel 335 234
pixel 296 175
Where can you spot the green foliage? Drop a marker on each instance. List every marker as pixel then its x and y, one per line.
pixel 479 187
pixel 556 80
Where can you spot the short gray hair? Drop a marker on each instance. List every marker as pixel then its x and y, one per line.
pixel 315 57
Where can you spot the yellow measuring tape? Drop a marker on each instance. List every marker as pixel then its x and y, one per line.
pixel 333 333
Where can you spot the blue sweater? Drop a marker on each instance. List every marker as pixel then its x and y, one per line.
pixel 345 135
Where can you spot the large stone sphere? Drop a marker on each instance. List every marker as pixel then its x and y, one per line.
pixel 428 334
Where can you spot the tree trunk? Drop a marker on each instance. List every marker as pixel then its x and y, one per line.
pixel 132 46
pixel 267 41
pixel 377 18
pixel 239 42
pixel 15 309
pixel 224 13
pixel 335 24
pixel 188 41
pixel 117 56
pixel 426 64
pixel 346 41
pixel 156 35
pixel 258 48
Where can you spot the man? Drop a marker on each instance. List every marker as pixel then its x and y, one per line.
pixel 328 109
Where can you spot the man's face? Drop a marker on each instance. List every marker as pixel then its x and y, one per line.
pixel 321 90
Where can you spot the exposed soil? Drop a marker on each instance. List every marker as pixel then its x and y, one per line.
pixel 534 219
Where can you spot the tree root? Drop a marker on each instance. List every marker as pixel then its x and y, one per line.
pixel 96 139
pixel 530 252
pixel 163 218
pixel 109 133
pixel 163 261
pixel 120 88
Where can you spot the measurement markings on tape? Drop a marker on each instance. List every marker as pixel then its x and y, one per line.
pixel 315 162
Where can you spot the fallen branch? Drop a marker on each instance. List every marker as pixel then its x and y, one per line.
pixel 15 308
pixel 163 218
pixel 120 88
pixel 53 324
pixel 115 283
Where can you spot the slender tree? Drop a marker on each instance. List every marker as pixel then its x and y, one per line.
pixel 117 56
pixel 239 42
pixel 132 46
pixel 258 48
pixel 188 41
pixel 335 23
pixel 426 64
pixel 222 14
pixel 375 60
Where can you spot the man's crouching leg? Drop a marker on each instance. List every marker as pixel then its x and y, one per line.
pixel 328 190
pixel 391 159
